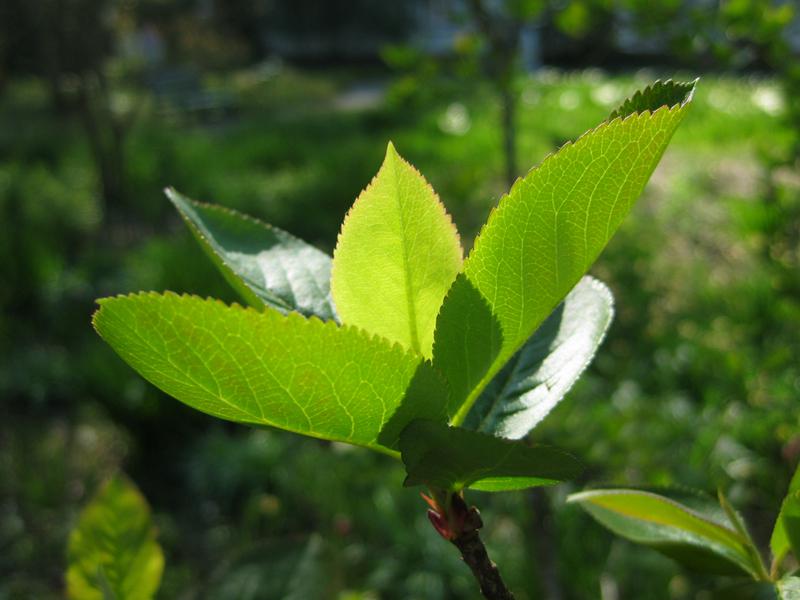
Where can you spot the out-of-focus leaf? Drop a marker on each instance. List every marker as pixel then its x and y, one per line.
pixel 701 540
pixel 397 255
pixel 452 458
pixel 264 264
pixel 551 361
pixel 113 553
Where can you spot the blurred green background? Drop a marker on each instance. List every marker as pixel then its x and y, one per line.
pixel 283 110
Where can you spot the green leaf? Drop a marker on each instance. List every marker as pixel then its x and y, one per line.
pixel 452 458
pixel 550 362
pixel 397 255
pixel 113 553
pixel 546 233
pixel 786 532
pixel 265 368
pixel 690 531
pixel 265 265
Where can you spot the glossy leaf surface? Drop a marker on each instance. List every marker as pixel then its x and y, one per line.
pixel 550 362
pixel 265 368
pixel 265 265
pixel 453 458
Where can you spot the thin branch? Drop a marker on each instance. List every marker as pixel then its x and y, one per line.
pixel 459 524
pixel 485 571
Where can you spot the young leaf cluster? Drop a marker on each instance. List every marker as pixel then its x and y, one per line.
pixel 398 343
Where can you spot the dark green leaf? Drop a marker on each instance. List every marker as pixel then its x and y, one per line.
pixel 547 366
pixel 266 265
pixel 452 458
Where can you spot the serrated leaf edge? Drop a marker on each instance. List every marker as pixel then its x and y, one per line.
pixel 363 194
pixel 604 290
pixel 175 196
pixel 370 337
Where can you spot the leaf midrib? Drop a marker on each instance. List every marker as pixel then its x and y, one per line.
pixel 409 290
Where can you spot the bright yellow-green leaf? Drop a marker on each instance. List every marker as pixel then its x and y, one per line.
pixel 113 553
pixel 546 233
pixel 397 255
pixel 265 368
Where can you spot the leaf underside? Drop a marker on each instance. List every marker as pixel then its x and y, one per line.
pixel 697 536
pixel 265 368
pixel 452 458
pixel 538 376
pixel 265 265
pixel 543 237
pixel 113 553
pixel 397 255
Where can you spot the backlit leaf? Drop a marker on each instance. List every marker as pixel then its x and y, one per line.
pixel 113 553
pixel 264 264
pixel 265 368
pixel 397 255
pixel 547 232
pixel 452 458
pixel 543 371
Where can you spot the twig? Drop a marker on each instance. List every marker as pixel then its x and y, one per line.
pixel 474 554
pixel 460 524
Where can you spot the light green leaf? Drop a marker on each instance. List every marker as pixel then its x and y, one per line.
pixel 786 532
pixel 113 553
pixel 397 255
pixel 546 233
pixel 690 531
pixel 265 368
pixel 452 458
pixel 264 264
pixel 544 370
